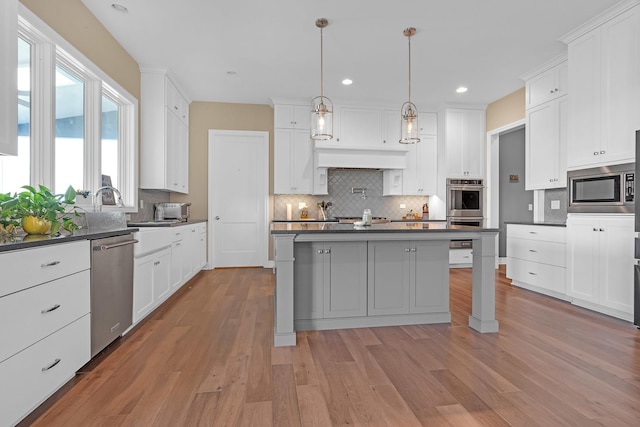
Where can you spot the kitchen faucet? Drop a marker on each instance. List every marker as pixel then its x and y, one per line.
pixel 101 189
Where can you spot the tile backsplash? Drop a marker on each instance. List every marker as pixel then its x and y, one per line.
pixel 150 197
pixel 347 204
pixel 555 215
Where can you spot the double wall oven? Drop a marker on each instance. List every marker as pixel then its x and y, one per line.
pixel 465 205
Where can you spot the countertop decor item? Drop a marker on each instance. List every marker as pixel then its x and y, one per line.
pixel 39 211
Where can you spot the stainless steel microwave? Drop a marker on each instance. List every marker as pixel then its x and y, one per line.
pixel 606 189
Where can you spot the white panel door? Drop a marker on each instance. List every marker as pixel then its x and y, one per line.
pixel 238 196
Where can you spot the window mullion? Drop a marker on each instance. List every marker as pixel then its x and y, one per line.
pixel 43 127
pixel 93 135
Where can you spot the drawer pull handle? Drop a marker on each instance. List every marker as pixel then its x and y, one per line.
pixel 532 250
pixel 49 310
pixel 533 232
pixel 533 274
pixel 55 362
pixel 50 264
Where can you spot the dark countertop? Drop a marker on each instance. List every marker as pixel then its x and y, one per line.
pixel 547 224
pixel 152 223
pixel 389 227
pixel 24 241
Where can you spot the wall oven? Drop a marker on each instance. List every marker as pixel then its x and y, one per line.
pixel 464 198
pixel 606 189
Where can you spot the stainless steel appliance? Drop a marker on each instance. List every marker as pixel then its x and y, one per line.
pixel 174 211
pixel 608 189
pixel 352 219
pixel 111 289
pixel 465 198
pixel 464 206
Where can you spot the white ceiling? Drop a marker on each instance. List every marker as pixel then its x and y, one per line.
pixel 274 46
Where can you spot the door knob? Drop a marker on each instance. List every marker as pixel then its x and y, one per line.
pixel 217 218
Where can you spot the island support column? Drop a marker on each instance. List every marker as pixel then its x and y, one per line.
pixel 284 333
pixel 483 300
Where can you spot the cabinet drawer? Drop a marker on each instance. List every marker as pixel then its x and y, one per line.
pixel 531 250
pixel 153 239
pixel 537 232
pixel 41 310
pixel 541 275
pixel 26 381
pixel 25 268
pixel 460 256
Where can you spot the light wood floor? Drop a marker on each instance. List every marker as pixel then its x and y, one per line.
pixel 206 358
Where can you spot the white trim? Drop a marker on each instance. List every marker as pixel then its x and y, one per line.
pixel 598 20
pixel 553 62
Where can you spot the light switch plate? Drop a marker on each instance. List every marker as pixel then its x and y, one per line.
pixel 530 206
pixel 555 204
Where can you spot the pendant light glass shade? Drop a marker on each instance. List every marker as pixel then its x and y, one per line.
pixel 321 106
pixel 321 118
pixel 410 130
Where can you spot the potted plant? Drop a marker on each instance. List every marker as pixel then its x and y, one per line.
pixel 39 211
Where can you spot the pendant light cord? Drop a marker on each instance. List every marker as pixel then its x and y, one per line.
pixel 321 67
pixel 409 68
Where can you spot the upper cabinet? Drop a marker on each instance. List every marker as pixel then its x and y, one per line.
pixel 604 82
pixel 548 85
pixel 293 162
pixel 288 116
pixel 462 133
pixel 164 122
pixel 546 126
pixel 9 77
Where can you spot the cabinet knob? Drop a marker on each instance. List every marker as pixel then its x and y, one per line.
pixel 407 249
pixel 550 179
pixel 595 229
pixel 413 249
pixel 327 251
pixel 595 153
pixel 384 141
pixel 602 229
pixel 175 107
pixel 556 90
pixel 602 152
pixel 551 91
pixel 320 251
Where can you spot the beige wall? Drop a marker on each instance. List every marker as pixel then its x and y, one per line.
pixel 73 21
pixel 505 110
pixel 217 115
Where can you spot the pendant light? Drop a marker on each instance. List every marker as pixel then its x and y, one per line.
pixel 321 106
pixel 409 112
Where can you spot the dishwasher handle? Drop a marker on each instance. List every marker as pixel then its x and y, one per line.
pixel 115 245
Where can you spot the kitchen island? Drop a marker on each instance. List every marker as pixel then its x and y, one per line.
pixel 333 276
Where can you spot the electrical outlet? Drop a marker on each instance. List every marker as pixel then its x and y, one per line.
pixel 403 206
pixel 302 205
pixel 530 206
pixel 555 204
pixel 141 202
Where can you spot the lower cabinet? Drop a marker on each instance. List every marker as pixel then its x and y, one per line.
pixel 341 280
pixel 330 280
pixel 600 263
pixel 536 258
pixel 408 277
pixel 151 281
pixel 460 258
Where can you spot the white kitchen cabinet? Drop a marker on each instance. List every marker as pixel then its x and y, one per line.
pixel 293 162
pixel 194 250
pixel 392 182
pixel 9 77
pixel 151 282
pixel 547 85
pixel 421 174
pixel 164 132
pixel 462 134
pixel 45 313
pixel 178 258
pixel 600 263
pixel 331 280
pixel 407 277
pixel 536 258
pixel 546 145
pixel 428 124
pixel 290 116
pixel 320 181
pixel 604 82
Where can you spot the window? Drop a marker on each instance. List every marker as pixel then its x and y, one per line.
pixel 14 170
pixel 82 126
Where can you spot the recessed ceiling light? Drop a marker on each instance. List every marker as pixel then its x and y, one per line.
pixel 119 7
pixel 347 82
pixel 461 89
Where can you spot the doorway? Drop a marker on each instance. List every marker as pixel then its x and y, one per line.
pixel 238 194
pixel 515 204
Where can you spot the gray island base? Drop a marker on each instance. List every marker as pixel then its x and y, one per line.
pixel 335 276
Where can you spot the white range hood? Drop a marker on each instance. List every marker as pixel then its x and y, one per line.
pixel 334 156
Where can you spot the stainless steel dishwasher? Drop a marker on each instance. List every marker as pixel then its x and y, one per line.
pixel 111 289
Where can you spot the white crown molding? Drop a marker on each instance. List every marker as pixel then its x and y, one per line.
pixel 167 72
pixel 553 62
pixel 598 20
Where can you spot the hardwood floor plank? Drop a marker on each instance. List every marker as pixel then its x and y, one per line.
pixel 304 366
pixel 368 366
pixel 313 408
pixel 202 410
pixel 457 415
pixel 394 408
pixel 257 414
pixel 285 399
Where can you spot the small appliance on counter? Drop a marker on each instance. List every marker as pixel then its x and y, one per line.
pixel 172 211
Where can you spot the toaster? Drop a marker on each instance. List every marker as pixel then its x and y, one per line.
pixel 179 211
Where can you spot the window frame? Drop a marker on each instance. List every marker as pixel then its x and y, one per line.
pixel 48 50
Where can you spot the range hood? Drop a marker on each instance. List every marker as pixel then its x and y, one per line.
pixel 341 157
